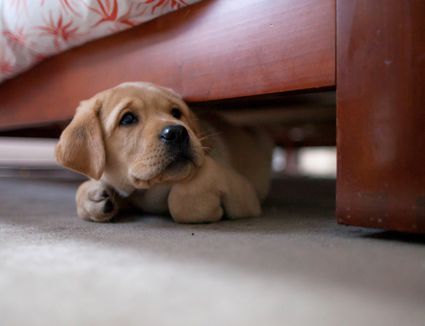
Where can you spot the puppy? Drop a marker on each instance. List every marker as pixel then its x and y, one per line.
pixel 141 146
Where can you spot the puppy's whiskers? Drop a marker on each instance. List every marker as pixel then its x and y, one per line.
pixel 206 148
pixel 206 136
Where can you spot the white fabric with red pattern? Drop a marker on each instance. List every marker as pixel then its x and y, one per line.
pixel 31 30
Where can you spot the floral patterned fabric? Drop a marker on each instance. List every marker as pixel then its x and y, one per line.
pixel 31 30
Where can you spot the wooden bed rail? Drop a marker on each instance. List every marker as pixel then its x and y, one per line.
pixel 213 50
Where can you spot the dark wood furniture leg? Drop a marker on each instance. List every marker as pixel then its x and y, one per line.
pixel 381 114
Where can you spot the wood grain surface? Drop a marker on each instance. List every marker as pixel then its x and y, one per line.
pixel 216 49
pixel 381 114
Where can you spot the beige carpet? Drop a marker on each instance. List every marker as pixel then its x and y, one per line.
pixel 293 266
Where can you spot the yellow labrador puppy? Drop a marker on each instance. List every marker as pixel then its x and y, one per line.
pixel 141 146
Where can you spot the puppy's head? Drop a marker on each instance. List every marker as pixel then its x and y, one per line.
pixel 134 136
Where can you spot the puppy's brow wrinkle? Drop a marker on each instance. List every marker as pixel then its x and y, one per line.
pixel 113 116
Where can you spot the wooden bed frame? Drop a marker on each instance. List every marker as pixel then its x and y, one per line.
pixel 370 51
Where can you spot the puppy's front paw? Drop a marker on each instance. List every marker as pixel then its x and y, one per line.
pixel 195 201
pixel 96 202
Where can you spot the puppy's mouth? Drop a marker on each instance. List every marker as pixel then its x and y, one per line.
pixel 179 161
pixel 179 165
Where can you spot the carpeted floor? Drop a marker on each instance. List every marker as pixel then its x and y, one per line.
pixel 293 266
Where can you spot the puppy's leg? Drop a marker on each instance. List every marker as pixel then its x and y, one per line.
pixel 215 190
pixel 239 197
pixel 189 206
pixel 96 201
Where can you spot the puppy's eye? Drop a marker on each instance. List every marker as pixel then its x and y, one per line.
pixel 176 113
pixel 128 119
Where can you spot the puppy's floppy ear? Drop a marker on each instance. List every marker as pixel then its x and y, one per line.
pixel 81 146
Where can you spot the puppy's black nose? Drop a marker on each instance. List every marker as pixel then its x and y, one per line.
pixel 174 135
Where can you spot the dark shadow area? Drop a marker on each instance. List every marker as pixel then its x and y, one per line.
pixel 398 236
pixel 302 192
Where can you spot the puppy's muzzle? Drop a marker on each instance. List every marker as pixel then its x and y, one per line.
pixel 177 140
